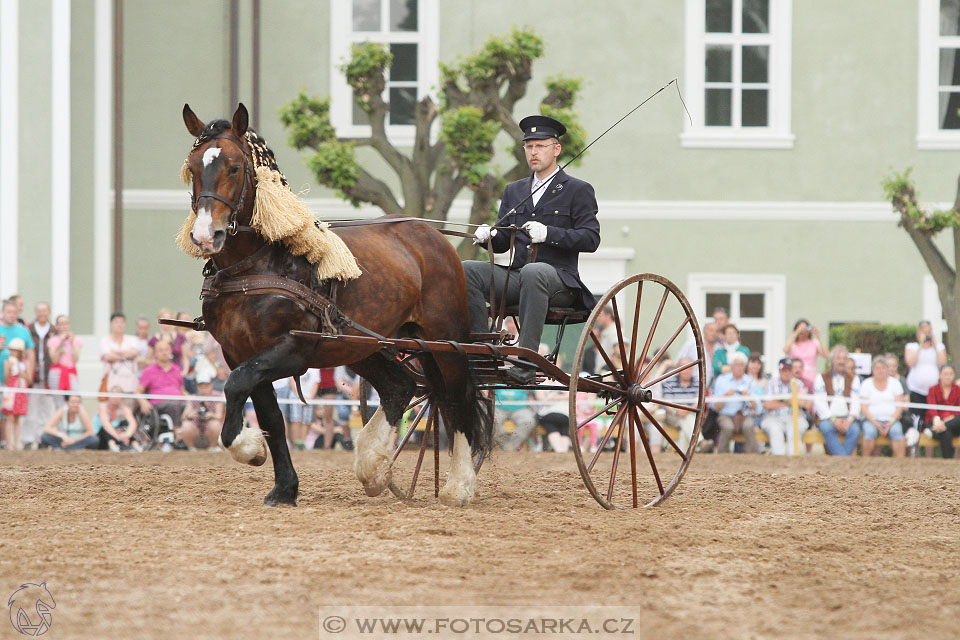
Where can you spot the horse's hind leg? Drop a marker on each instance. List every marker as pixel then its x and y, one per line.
pixel 372 453
pixel 462 408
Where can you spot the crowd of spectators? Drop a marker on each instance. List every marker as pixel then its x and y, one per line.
pixel 183 373
pixel 850 411
pixel 182 370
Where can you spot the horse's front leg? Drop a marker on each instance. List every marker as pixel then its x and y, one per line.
pixel 253 379
pixel 462 479
pixel 286 485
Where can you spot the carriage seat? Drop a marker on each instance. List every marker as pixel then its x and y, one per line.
pixel 557 315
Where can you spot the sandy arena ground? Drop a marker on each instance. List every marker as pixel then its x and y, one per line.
pixel 179 546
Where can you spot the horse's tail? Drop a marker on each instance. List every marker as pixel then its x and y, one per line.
pixel 480 412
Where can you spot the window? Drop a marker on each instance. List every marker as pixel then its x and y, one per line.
pixel 938 93
pixel 738 73
pixel 756 304
pixel 409 29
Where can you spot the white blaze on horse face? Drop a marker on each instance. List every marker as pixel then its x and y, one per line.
pixel 210 155
pixel 203 228
pixel 462 479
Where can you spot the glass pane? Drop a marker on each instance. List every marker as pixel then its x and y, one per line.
pixel 403 102
pixel 718 108
pixel 950 17
pixel 753 340
pixel 756 16
pixel 751 305
pixel 715 300
pixel 754 63
pixel 719 16
pixel 366 15
pixel 359 115
pixel 403 15
pixel 754 108
pixel 404 65
pixel 719 63
pixel 949 110
pixel 949 69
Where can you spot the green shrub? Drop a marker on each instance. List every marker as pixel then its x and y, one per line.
pixel 875 339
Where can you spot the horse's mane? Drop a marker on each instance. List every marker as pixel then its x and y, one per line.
pixel 278 214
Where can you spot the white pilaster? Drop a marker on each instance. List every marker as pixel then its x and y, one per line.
pixel 10 149
pixel 60 159
pixel 102 145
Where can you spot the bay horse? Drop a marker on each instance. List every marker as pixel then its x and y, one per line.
pixel 412 285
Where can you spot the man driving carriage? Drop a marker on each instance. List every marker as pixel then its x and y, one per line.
pixel 557 213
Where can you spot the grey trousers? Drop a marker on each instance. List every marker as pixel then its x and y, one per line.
pixel 533 288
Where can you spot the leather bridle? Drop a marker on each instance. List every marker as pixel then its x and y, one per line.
pixel 236 205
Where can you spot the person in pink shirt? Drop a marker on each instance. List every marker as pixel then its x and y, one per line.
pixel 64 351
pixel 163 378
pixel 805 345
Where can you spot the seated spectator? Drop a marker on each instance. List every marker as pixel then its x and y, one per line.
pixel 203 419
pixel 711 334
pixel 167 333
pixel 325 414
pixel 163 378
pixel 70 428
pixel 777 420
pixel 721 317
pixel 805 345
pixel 924 359
pixel 944 423
pixel 735 415
pixel 513 405
pixel 63 349
pixel 731 345
pixel 881 416
pixel 142 336
pixel 806 406
pixel 837 402
pixel 587 405
pixel 115 425
pixel 681 389
pixel 553 418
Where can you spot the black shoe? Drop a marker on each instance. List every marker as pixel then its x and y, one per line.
pixel 521 375
pixel 347 445
pixel 181 446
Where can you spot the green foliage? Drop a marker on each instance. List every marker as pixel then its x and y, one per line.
pixel 502 56
pixel 308 120
pixel 565 89
pixel 365 70
pixel 899 190
pixel 469 138
pixel 875 339
pixel 335 166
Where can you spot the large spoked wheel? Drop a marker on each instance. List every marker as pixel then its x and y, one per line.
pixel 627 416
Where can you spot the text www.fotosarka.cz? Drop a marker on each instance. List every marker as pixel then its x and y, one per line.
pixel 470 621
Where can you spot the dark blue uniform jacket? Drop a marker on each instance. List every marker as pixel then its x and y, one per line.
pixel 568 207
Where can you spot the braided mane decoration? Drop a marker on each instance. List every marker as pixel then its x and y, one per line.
pixel 278 214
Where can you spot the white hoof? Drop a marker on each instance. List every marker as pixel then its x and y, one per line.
pixel 462 480
pixel 371 461
pixel 459 492
pixel 249 447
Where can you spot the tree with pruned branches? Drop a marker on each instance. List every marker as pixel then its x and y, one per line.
pixel 477 96
pixel 922 226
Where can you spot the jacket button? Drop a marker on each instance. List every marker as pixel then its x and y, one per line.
pixel 556 212
pixel 533 215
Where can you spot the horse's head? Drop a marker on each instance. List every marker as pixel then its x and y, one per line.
pixel 221 170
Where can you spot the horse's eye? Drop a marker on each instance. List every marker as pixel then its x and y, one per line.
pixel 234 170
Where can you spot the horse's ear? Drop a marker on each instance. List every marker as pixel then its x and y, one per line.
pixel 240 120
pixel 194 125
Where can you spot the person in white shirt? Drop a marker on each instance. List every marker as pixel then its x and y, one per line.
pixel 924 359
pixel 881 415
pixel 777 421
pixel 837 403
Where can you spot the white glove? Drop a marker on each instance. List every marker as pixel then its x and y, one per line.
pixel 484 233
pixel 537 231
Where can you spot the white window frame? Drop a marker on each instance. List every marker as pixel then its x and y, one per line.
pixel 777 134
pixel 929 133
pixel 773 323
pixel 342 37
